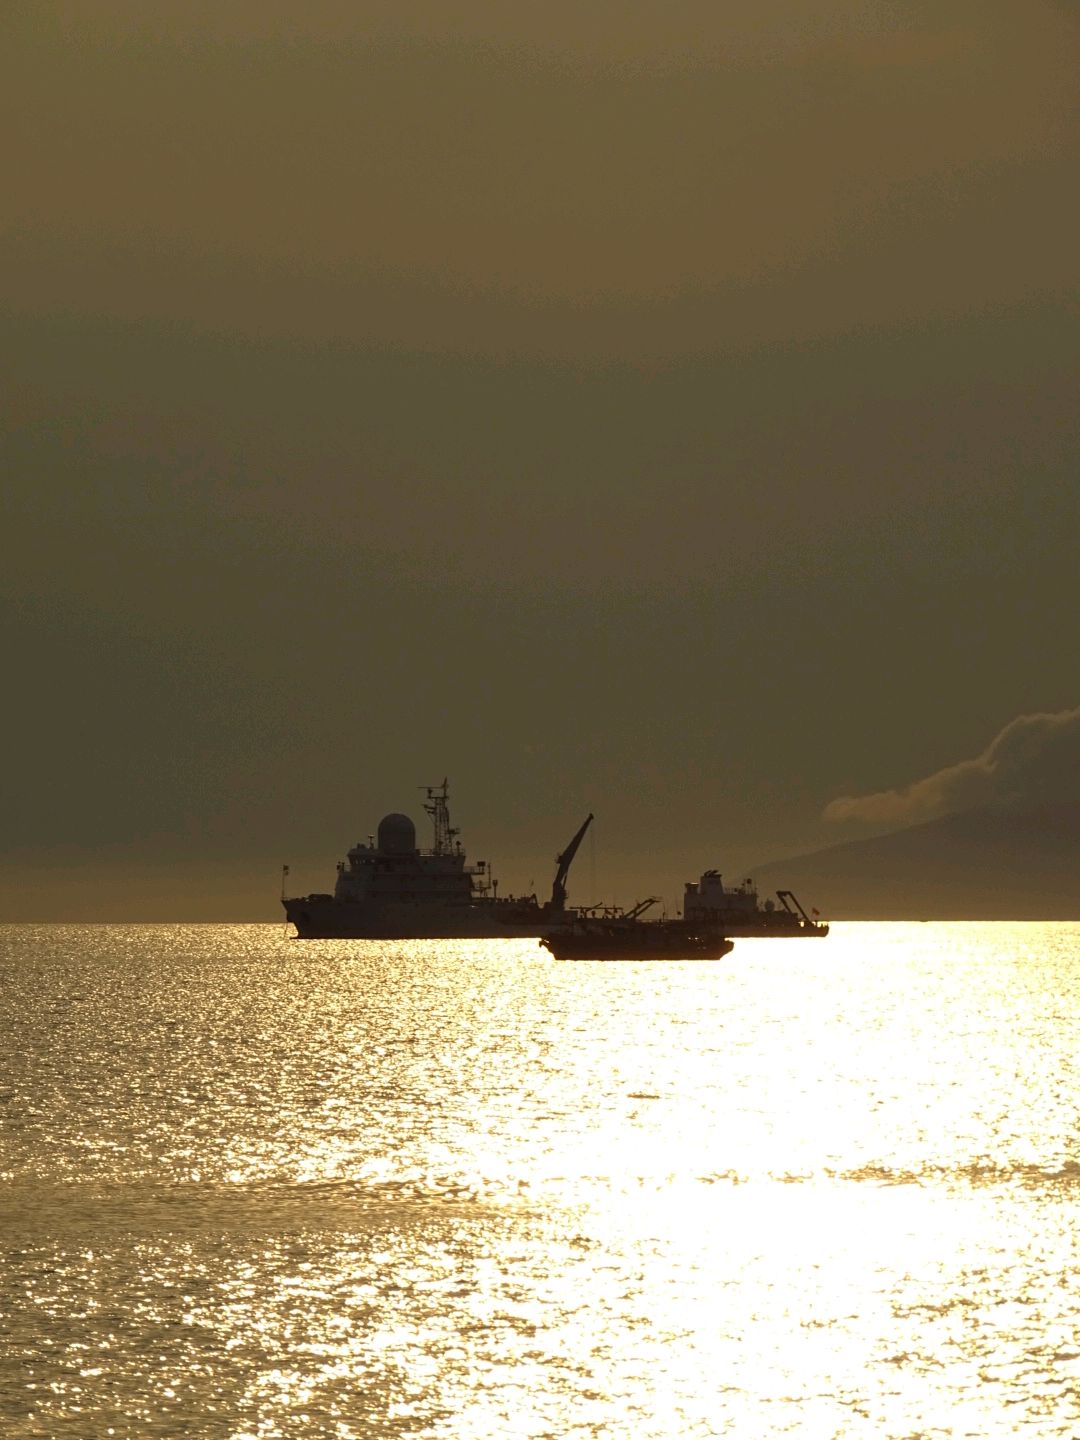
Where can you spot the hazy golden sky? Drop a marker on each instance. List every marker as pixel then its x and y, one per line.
pixel 614 179
pixel 668 410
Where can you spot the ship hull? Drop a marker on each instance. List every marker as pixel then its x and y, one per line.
pixel 324 918
pixel 770 927
pixel 649 940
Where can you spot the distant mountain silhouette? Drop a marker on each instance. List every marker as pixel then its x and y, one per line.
pixel 986 864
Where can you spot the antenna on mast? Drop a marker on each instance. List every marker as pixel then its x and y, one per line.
pixel 437 806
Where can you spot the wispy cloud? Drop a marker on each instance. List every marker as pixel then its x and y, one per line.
pixel 1033 757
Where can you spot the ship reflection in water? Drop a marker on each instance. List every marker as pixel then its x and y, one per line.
pixel 258 1189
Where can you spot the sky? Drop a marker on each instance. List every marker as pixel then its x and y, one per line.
pixel 664 410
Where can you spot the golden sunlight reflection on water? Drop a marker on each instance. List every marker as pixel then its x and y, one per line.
pixel 265 1189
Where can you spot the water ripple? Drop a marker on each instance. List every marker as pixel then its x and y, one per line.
pixel 262 1190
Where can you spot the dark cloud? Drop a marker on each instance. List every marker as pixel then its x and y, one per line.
pixel 580 182
pixel 1034 758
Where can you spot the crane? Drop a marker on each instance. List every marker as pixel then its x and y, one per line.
pixel 563 862
pixel 639 908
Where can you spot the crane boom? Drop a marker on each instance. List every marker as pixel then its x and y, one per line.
pixel 563 862
pixel 640 908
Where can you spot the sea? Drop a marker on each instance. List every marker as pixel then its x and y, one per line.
pixel 253 1187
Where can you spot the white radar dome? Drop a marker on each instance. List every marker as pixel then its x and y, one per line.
pixel 397 835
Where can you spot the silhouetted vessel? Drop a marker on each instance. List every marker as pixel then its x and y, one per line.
pixel 389 889
pixel 713 917
pixel 739 913
pixel 625 935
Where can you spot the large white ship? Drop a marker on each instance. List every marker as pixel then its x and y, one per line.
pixel 388 889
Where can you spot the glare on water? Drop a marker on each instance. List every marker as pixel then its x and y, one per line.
pixel 259 1188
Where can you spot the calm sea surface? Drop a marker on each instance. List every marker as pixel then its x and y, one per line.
pixel 252 1187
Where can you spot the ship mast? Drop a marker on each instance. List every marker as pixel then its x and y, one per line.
pixel 437 806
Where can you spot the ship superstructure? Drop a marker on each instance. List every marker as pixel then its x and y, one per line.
pixel 390 868
pixel 737 910
pixel 388 888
